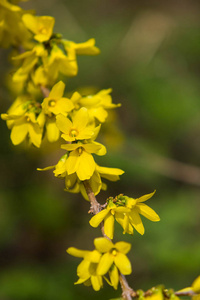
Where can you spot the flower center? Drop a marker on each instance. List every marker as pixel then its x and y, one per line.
pixel 52 103
pixel 80 150
pixel 114 252
pixel 73 133
pixel 42 30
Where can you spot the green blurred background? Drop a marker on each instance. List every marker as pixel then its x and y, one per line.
pixel 150 56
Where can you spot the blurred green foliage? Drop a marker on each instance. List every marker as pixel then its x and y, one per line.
pixel 150 56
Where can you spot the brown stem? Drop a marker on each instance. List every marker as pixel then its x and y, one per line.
pixel 45 91
pixel 127 291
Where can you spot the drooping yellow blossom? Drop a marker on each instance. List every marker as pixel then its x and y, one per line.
pixel 78 128
pixel 55 103
pixel 113 254
pixel 30 60
pixel 107 257
pixel 86 270
pixel 24 125
pixel 108 214
pixel 42 27
pixel 137 207
pixel 24 119
pixel 57 62
pixel 74 185
pixel 80 160
pixel 98 104
pixel 126 212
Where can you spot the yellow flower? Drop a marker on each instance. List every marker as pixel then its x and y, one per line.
pixel 30 60
pixel 126 212
pixel 108 214
pixel 78 128
pixel 113 254
pixel 98 104
pixel 55 103
pixel 132 218
pixel 24 125
pixel 42 27
pixel 86 270
pixel 24 118
pixel 80 160
pixel 59 62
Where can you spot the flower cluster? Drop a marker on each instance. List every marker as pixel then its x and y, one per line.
pixel 106 258
pixel 126 211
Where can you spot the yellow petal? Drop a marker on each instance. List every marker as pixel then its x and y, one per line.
pixel 123 264
pixel 96 282
pixel 109 225
pixel 93 256
pixel 57 90
pixel 86 166
pixel 114 276
pixel 72 162
pixel 103 245
pixel 136 221
pixel 19 133
pixel 63 123
pixel 145 197
pixel 123 247
pixel 196 285
pixel 105 263
pixel 35 133
pixel 98 218
pixel 81 118
pixel 76 252
pixel 148 212
pixel 53 132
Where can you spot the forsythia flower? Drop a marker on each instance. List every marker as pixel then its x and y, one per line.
pixel 74 185
pixel 113 253
pixel 42 27
pixel 80 160
pixel 126 212
pixel 78 128
pixel 98 104
pixel 55 103
pixel 107 257
pixel 86 270
pixel 24 118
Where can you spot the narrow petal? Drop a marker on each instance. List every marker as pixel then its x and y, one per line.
pixel 146 197
pixel 96 282
pixel 123 247
pixel 35 133
pixel 109 225
pixel 136 221
pixel 81 118
pixel 148 212
pixel 18 133
pixel 57 90
pixel 83 269
pixel 105 263
pixel 72 162
pixel 76 252
pixel 53 132
pixel 103 245
pixel 63 123
pixel 86 166
pixel 123 264
pixel 93 256
pixel 98 218
pixel 196 285
pixel 114 276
